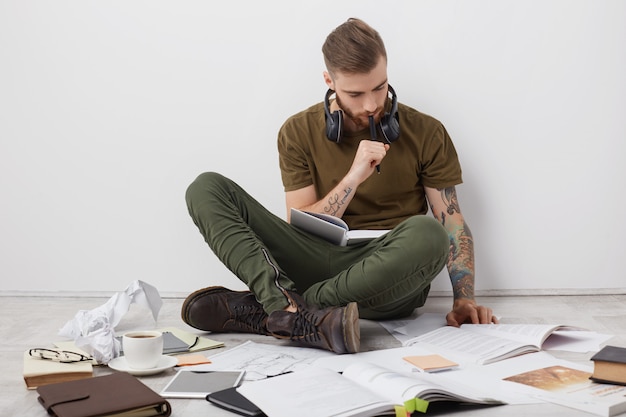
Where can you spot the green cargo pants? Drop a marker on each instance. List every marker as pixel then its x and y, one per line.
pixel 388 277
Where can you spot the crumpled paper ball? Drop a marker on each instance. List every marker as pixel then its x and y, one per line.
pixel 94 330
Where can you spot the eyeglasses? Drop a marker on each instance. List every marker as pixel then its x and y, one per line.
pixel 62 356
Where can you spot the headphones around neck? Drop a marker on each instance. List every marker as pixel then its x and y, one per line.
pixel 389 123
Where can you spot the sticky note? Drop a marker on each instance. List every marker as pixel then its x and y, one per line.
pixel 416 404
pixel 194 359
pixel 400 411
pixel 430 363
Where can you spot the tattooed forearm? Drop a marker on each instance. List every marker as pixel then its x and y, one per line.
pixel 335 203
pixel 461 262
pixel 464 288
pixel 451 204
pixel 445 207
pixel 448 195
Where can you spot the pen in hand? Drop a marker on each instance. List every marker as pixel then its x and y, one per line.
pixel 373 135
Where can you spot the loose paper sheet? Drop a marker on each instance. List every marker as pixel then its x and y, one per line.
pixel 261 360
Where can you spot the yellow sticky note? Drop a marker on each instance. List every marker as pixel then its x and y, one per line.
pixel 416 404
pixel 400 411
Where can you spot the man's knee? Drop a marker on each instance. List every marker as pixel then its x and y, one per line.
pixel 203 183
pixel 427 234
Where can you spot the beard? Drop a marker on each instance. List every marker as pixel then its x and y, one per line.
pixel 361 121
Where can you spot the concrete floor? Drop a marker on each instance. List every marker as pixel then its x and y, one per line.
pixel 28 322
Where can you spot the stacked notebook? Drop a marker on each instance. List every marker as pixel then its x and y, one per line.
pixel 38 372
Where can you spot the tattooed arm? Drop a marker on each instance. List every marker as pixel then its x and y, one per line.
pixel 335 203
pixel 445 207
pixel 368 155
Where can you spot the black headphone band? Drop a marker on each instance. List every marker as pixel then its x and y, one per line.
pixel 390 122
pixel 329 93
pixel 394 101
pixel 334 120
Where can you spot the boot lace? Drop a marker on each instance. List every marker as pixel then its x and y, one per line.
pixel 251 317
pixel 305 326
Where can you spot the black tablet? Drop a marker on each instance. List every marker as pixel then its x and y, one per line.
pixel 230 399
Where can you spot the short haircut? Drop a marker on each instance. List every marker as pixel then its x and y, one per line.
pixel 354 47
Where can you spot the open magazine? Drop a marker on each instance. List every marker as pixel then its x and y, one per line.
pixel 572 388
pixel 331 228
pixel 363 389
pixel 488 343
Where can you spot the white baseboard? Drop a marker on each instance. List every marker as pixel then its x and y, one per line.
pixel 539 292
pixel 79 294
pixel 479 293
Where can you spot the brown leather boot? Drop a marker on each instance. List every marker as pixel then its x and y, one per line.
pixel 333 328
pixel 221 310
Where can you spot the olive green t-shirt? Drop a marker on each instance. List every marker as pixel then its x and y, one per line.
pixel 422 156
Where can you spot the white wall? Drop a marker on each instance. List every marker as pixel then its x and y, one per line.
pixel 109 109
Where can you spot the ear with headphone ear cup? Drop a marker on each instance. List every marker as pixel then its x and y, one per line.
pixel 389 123
pixel 334 121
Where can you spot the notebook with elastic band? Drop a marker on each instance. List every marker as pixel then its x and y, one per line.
pixel 116 394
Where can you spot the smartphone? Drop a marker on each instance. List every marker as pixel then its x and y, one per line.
pixel 198 384
pixel 230 399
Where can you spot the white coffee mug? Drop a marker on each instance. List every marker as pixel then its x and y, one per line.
pixel 142 349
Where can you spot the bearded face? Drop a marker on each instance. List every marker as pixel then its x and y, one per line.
pixel 360 118
pixel 360 95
